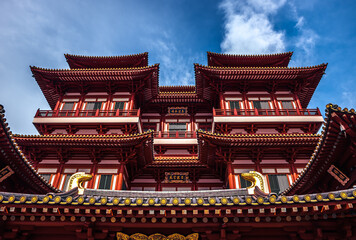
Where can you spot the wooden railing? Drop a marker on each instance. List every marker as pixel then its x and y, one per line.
pixel 266 112
pixel 88 113
pixel 175 134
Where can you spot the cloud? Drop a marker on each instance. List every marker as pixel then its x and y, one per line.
pixel 176 68
pixel 248 29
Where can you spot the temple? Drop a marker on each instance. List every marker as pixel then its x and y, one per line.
pixel 239 155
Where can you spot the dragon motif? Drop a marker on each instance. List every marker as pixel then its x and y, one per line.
pixel 77 180
pixel 256 179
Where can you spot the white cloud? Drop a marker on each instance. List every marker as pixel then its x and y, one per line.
pixel 248 29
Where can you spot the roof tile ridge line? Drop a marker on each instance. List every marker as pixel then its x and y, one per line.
pixel 329 109
pixel 322 65
pixel 91 69
pixel 18 151
pixel 260 135
pixel 290 53
pixel 105 136
pixel 118 56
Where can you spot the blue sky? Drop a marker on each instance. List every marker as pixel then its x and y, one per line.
pixel 176 34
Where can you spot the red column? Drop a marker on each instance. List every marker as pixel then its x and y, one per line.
pixel 132 101
pixel 293 171
pixel 230 174
pixel 222 102
pixel 58 175
pixel 120 177
pixel 93 172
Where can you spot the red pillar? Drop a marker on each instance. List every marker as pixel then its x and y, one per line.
pixel 230 174
pixel 120 177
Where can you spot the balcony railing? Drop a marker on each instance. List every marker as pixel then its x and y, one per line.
pixel 266 112
pixel 175 134
pixel 88 113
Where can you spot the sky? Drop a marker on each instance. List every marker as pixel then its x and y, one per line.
pixel 176 34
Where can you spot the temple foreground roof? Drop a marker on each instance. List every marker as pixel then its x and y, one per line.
pixel 337 147
pixel 25 177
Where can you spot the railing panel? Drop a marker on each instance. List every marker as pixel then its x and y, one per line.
pixel 266 112
pixel 175 134
pixel 88 113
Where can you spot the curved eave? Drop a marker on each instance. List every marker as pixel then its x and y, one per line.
pixel 264 60
pixel 11 155
pixel 84 140
pixel 303 81
pixel 259 139
pixel 53 82
pixel 339 125
pixel 125 61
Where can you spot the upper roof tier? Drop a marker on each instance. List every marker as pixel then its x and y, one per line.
pixel 265 60
pixel 302 81
pixel 53 83
pixel 126 61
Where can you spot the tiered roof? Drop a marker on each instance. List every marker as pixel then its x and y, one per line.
pixel 264 60
pixel 302 81
pixel 236 144
pixel 54 83
pixel 337 147
pixel 25 176
pixel 127 61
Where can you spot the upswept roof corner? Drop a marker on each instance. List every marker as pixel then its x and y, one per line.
pixel 339 126
pixel 51 80
pixel 11 155
pixel 261 60
pixel 123 61
pixel 302 80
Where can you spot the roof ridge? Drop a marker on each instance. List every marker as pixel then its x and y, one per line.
pixel 117 56
pixel 258 135
pixel 251 55
pixel 91 69
pixel 262 68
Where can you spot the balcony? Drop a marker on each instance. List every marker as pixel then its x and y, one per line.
pixel 88 117
pixel 267 116
pixel 88 113
pixel 266 112
pixel 175 137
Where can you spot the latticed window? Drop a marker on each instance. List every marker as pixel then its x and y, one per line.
pixel 68 106
pixel 93 105
pixel 261 104
pixel 234 105
pixel 287 105
pixel 177 127
pixel 105 182
pixel 119 105
pixel 46 176
pixel 278 182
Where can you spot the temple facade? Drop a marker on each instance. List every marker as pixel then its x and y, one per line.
pixel 236 156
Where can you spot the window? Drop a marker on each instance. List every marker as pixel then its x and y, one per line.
pixel 66 181
pixel 278 182
pixel 68 106
pixel 244 183
pixel 105 182
pixel 46 176
pixel 234 105
pixel 119 105
pixel 177 127
pixel 261 104
pixel 93 105
pixel 287 105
